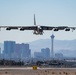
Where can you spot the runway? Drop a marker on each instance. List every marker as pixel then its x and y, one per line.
pixel 39 71
pixel 30 68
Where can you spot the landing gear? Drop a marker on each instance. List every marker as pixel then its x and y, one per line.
pixel 38 33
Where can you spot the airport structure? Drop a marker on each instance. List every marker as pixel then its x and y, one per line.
pixel 52 45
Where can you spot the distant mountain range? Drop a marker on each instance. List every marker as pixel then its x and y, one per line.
pixel 67 47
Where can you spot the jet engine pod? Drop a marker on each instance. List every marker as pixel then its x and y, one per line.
pixel 56 29
pixel 8 28
pixel 67 29
pixel 21 29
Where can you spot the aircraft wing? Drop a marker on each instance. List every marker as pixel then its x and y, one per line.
pixel 57 28
pixel 19 27
pixel 42 27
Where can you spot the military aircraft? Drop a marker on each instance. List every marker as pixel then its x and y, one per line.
pixel 38 30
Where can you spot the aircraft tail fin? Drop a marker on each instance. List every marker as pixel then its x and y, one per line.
pixel 34 20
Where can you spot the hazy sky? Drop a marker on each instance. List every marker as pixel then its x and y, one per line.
pixel 48 13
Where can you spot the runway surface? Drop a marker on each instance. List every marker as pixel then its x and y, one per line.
pixel 39 71
pixel 30 68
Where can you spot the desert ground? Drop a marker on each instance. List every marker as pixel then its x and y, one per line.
pixel 39 71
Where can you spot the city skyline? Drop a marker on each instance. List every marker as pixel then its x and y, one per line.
pixel 48 13
pixel 13 50
pixel 16 51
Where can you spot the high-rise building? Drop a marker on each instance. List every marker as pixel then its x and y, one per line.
pixel 25 51
pixel 45 53
pixel 52 45
pixel 37 54
pixel 58 55
pixel 0 53
pixel 18 51
pixel 9 48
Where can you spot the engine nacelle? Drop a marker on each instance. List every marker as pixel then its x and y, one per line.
pixel 56 29
pixel 8 28
pixel 21 29
pixel 67 29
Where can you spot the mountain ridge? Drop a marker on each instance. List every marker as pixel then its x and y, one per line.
pixel 59 45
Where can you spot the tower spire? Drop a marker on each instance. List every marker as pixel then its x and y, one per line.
pixel 52 45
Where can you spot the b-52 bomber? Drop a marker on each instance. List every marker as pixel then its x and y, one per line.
pixel 38 30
